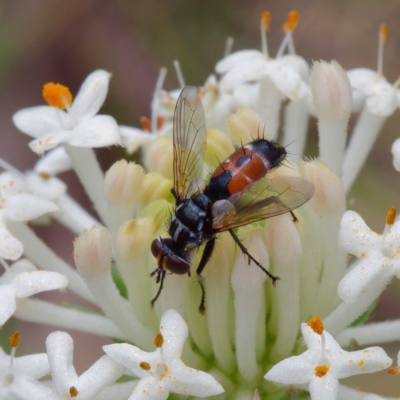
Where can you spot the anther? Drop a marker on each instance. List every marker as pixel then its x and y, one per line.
pixel 391 216
pixel 158 340
pixel 394 371
pixel 145 123
pixel 316 324
pixel 145 366
pixel 57 95
pixel 265 21
pixel 14 339
pixel 383 39
pixel 321 370
pixel 73 391
pixel 292 21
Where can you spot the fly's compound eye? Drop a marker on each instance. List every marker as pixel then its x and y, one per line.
pixel 156 248
pixel 176 265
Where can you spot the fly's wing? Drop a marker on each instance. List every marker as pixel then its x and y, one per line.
pixel 266 198
pixel 189 143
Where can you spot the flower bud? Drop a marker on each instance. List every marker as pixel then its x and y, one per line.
pixel 134 238
pixel 159 156
pixel 245 125
pixel 160 210
pixel 155 187
pixel 219 147
pixel 329 194
pixel 122 182
pixel 92 252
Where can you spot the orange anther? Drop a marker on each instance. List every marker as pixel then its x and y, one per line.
pixel 391 216
pixel 158 340
pixel 383 34
pixel 160 122
pixel 57 95
pixel 14 339
pixel 265 20
pixel 44 175
pixel 144 365
pixel 292 21
pixel 394 371
pixel 73 391
pixel 316 324
pixel 321 370
pixel 146 124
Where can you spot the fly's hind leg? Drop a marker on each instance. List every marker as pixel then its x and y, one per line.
pixel 160 279
pixel 244 251
pixel 208 249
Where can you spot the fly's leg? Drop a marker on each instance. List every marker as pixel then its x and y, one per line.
pixel 244 251
pixel 294 218
pixel 208 249
pixel 160 279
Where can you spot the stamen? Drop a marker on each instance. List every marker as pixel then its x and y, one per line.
pixel 390 218
pixel 383 38
pixel 321 370
pixel 146 124
pixel 394 371
pixel 179 74
pixel 229 45
pixel 144 365
pixel 155 103
pixel 73 391
pixel 160 122
pixel 57 95
pixel 316 324
pixel 158 340
pixel 265 22
pixel 289 27
pixel 14 340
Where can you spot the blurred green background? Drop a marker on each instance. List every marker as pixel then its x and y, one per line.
pixel 63 41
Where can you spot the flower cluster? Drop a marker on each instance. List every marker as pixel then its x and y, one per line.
pixel 248 344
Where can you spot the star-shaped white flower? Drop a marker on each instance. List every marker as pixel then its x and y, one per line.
pixel 324 363
pixel 379 257
pixel 78 125
pixel 66 382
pixel 289 73
pixel 17 206
pixel 19 376
pixel 372 88
pixel 23 280
pixel 163 372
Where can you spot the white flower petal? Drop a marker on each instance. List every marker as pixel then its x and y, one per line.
pixel 49 188
pixel 356 237
pixel 7 303
pixel 27 284
pixel 54 162
pixel 325 388
pixel 361 280
pixel 396 154
pixel 369 360
pixel 236 58
pixel 35 365
pixel 150 388
pixel 10 184
pixel 60 347
pixel 174 331
pixel 383 100
pixel 363 79
pixel 25 388
pixel 133 138
pixel 247 71
pixel 24 207
pixel 99 131
pixel 130 357
pixel 10 247
pixel 91 96
pixel 194 382
pixel 49 141
pixel 40 120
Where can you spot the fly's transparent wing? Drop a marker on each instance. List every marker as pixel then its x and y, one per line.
pixel 189 143
pixel 266 198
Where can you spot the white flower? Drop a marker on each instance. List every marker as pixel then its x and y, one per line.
pixel 66 382
pixel 79 125
pixel 24 280
pixel 53 162
pixel 162 372
pixel 324 363
pixel 379 257
pixel 396 154
pixel 17 206
pixel 19 376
